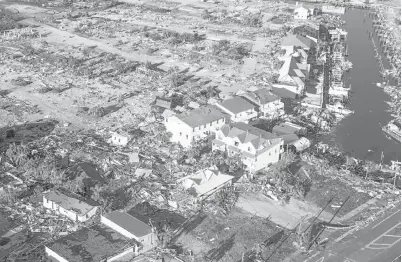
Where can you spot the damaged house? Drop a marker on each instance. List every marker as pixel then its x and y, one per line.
pixel 70 205
pixel 293 76
pixel 257 148
pixel 118 237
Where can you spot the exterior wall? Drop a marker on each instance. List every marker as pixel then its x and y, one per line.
pixel 181 132
pixel 294 89
pixel 300 14
pixel 117 228
pixel 53 206
pixel 275 108
pixel 51 253
pixel 148 242
pixel 268 157
pixel 126 252
pixel 244 116
pixel 88 215
pixel 185 135
pixel 204 130
pixel 71 215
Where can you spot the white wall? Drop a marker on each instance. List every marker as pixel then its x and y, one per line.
pixel 90 214
pixel 50 252
pixel 126 252
pixel 270 156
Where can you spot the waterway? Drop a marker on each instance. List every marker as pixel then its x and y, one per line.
pixel 360 134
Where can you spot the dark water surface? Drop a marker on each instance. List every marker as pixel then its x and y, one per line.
pixel 360 133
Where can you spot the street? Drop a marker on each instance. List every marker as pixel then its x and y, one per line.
pixel 378 241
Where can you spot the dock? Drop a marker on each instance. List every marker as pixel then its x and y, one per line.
pixel 378 56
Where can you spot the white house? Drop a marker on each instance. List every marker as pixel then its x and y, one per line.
pixel 269 105
pixel 132 228
pixel 301 13
pixel 196 124
pixel 239 109
pixel 257 148
pixel 119 138
pixel 70 205
pixel 205 182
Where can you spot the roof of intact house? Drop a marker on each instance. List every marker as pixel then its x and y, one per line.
pixel 89 244
pixel 71 201
pixel 202 116
pixel 236 105
pixel 263 96
pixel 298 40
pixel 260 139
pixel 129 223
pixel 293 69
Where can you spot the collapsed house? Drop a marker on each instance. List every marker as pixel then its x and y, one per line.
pixel 205 182
pixel 118 237
pixel 70 205
pixel 120 138
pixel 257 148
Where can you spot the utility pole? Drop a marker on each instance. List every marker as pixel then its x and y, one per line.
pixel 322 230
pixel 322 210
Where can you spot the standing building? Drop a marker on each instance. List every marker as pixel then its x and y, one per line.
pixel 70 205
pixel 301 13
pixel 257 148
pixel 132 228
pixel 191 126
pixel 268 104
pixel 239 109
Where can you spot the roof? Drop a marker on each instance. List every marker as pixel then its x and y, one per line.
pixel 287 128
pixel 207 180
pixel 298 40
pixel 259 138
pixel 236 105
pixel 289 138
pixel 90 171
pixel 89 244
pixel 201 116
pixel 129 223
pixel 70 201
pixel 193 104
pixel 262 96
pixel 163 103
pixel 293 69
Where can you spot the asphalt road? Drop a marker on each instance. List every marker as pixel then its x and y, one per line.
pixel 379 241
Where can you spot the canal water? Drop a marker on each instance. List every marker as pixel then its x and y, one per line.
pixel 360 134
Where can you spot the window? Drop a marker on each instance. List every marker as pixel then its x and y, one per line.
pixel 236 143
pixel 249 149
pixel 210 124
pixel 205 126
pixel 187 136
pixel 119 140
pixel 269 153
pixel 166 120
pixel 275 150
pixel 180 133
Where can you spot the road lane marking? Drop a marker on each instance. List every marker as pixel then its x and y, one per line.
pixel 373 244
pixel 385 219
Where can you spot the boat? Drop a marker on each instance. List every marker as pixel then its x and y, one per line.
pixel 339 108
pixel 393 130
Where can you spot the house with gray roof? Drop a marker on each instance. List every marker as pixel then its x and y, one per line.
pixel 257 148
pixel 239 109
pixel 70 205
pixel 267 103
pixel 293 76
pixel 196 124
